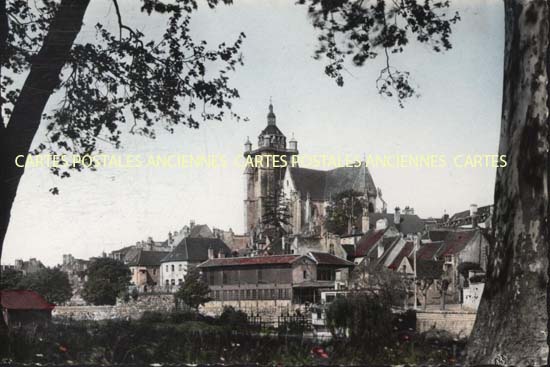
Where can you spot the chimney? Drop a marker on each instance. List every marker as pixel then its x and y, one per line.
pixel 191 223
pixel 365 222
pixel 397 216
pixel 210 253
pixel 221 255
pixel 473 215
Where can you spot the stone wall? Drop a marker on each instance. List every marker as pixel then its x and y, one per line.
pixel 131 310
pixel 458 323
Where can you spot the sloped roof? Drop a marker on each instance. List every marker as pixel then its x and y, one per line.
pixel 196 249
pixel 271 130
pixel 388 243
pixel 321 185
pixel 368 241
pixel 405 252
pixel 429 251
pixel 322 258
pixel 410 223
pixel 481 211
pixel 201 230
pixel 251 261
pixel 23 300
pixel 436 235
pixel 456 241
pixel 147 258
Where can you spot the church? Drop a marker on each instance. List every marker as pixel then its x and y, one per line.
pixel 307 192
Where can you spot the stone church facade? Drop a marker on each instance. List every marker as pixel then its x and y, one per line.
pixel 307 191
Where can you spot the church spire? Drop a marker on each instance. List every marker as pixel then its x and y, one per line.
pixel 271 115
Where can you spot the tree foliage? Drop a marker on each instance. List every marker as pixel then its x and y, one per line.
pixel 124 80
pixel 107 280
pixel 363 29
pixel 365 318
pixel 194 292
pixel 373 277
pixel 51 283
pixel 344 210
pixel 276 217
pixel 10 279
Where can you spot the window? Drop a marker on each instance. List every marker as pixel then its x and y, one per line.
pixel 260 276
pixel 287 293
pixel 173 268
pixel 180 281
pixel 217 297
pixel 167 282
pixel 248 294
pixel 154 271
pixel 224 277
pixel 173 281
pixel 211 278
pixel 225 297
pixel 279 294
pixel 180 267
pixel 242 293
pixel 272 294
pixel 305 274
pixel 166 268
pixel 253 294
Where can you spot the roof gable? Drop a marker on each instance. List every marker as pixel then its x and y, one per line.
pixel 322 258
pixel 368 242
pixel 147 258
pixel 321 185
pixel 23 300
pixel 254 261
pixel 196 249
pixel 456 241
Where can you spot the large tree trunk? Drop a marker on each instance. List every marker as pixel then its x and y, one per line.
pixel 511 325
pixel 43 79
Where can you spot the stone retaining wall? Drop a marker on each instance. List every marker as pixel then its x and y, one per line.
pixel 458 323
pixel 131 310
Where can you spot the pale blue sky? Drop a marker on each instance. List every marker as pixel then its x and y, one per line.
pixel 458 113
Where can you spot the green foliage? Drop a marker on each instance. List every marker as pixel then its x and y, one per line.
pixel 276 217
pixel 234 319
pixel 10 279
pixel 365 318
pixel 107 280
pixel 123 81
pixel 52 283
pixel 344 209
pixel 194 292
pixel 361 30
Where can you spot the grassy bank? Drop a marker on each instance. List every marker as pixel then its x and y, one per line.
pixel 186 337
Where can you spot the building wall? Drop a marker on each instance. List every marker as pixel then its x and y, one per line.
pixel 173 273
pixel 131 310
pixel 140 275
pixel 472 296
pixel 458 323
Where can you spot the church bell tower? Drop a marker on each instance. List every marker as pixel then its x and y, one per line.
pixel 262 178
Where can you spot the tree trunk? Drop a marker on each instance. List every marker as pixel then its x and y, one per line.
pixel 511 326
pixel 43 79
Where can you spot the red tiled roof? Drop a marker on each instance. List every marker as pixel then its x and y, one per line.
pixel 405 252
pixel 429 251
pixel 367 242
pixel 456 241
pixel 322 258
pixel 23 300
pixel 257 260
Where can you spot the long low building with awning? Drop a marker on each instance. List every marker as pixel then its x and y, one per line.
pixel 278 282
